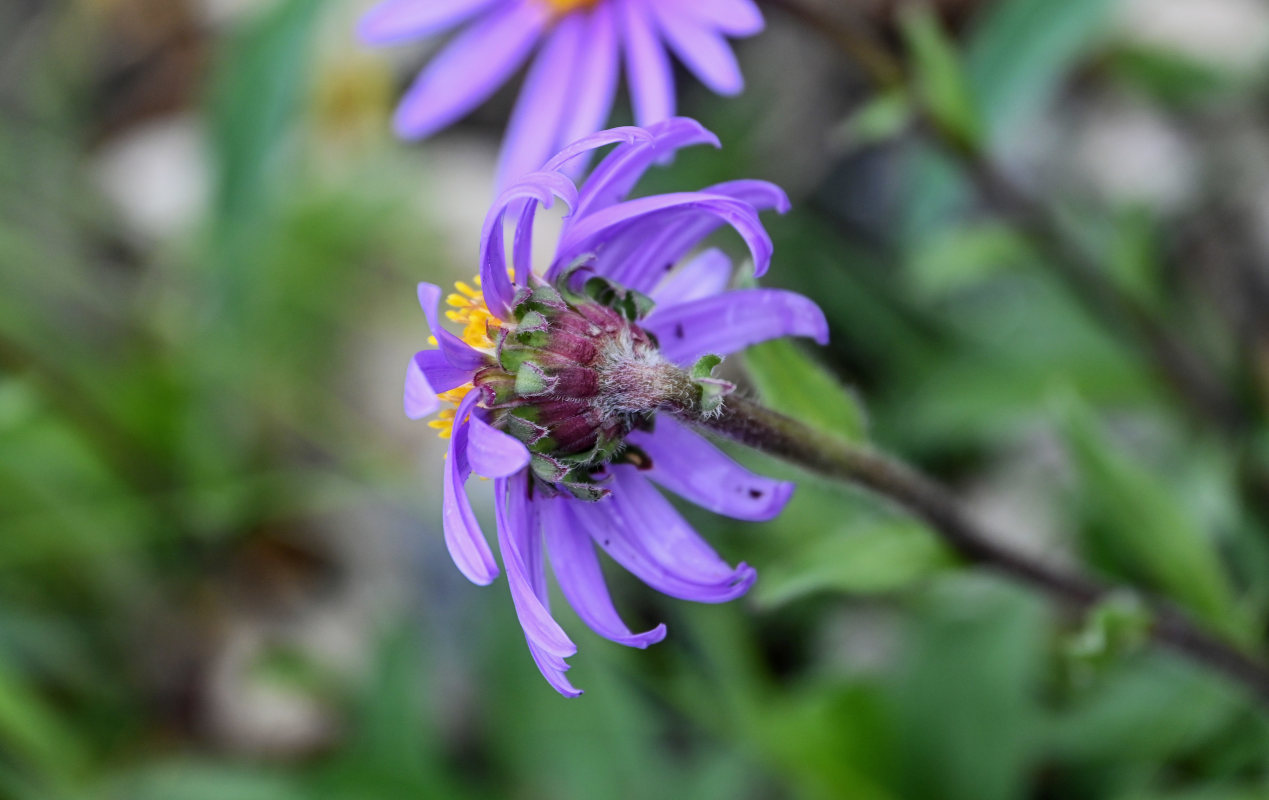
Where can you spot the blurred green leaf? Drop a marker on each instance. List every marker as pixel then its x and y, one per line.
pixel 1134 256
pixel 961 256
pixel 966 691
pixel 860 559
pixel 201 780
pixel 1116 626
pixel 256 92
pixel 1147 521
pixel 30 730
pixel 940 75
pixel 837 739
pixel 1020 50
pixel 1168 77
pixel 879 118
pixel 1145 709
pixel 791 382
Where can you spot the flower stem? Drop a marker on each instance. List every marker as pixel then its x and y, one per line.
pixel 751 424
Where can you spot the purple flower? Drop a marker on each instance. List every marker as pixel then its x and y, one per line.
pixel 557 380
pixel 570 86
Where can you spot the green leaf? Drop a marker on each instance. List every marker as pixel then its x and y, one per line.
pixel 1019 52
pixel 879 118
pixel 961 256
pixel 940 76
pixel 257 89
pixel 1145 522
pixel 793 383
pixel 965 692
pixel 885 557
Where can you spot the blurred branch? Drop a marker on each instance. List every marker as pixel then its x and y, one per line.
pixel 1190 376
pixel 856 38
pixel 753 425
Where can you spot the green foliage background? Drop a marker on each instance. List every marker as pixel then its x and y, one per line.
pixel 221 573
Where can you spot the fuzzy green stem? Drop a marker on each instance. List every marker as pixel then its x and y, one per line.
pixel 749 423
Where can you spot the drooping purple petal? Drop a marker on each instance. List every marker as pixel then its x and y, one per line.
pixel 705 275
pixel 594 79
pixel 459 354
pixel 606 227
pixel 617 174
pixel 533 132
pixel 539 187
pixel 492 453
pixel 647 65
pixel 520 541
pixel 429 374
pixel 553 669
pixel 732 321
pixel 463 537
pixel 628 135
pixel 580 578
pixel 642 532
pixel 469 69
pixel 648 251
pixel 732 17
pixel 688 465
pixel 399 20
pixel 704 51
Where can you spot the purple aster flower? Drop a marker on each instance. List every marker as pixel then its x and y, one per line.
pixel 557 380
pixel 570 86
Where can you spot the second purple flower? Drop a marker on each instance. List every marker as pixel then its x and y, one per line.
pixel 571 85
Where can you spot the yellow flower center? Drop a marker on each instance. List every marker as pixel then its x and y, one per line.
pixel 467 308
pixel 561 7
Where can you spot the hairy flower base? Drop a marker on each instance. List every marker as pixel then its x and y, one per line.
pixel 570 375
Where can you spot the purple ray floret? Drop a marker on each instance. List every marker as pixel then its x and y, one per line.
pixel 551 381
pixel 577 49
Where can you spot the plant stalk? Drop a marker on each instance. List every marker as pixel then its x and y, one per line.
pixel 748 423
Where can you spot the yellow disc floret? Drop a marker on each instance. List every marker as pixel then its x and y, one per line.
pixel 565 6
pixel 467 308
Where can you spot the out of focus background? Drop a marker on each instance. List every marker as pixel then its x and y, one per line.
pixel 221 568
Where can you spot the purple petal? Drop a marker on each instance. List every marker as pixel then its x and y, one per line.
pixel 520 542
pixel 469 69
pixel 628 135
pixel 540 187
pixel 703 276
pixel 732 17
pixel 420 400
pixel 606 228
pixel 594 82
pixel 459 354
pixel 553 669
pixel 656 247
pixel 429 374
pixel 492 453
pixel 642 532
pixel 533 132
pixel 705 53
pixel 580 578
pixel 617 174
pixel 688 465
pixel 732 321
pixel 463 537
pixel 398 20
pixel 647 65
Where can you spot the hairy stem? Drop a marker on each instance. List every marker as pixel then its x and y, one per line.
pixel 748 423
